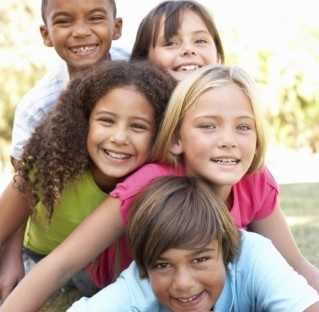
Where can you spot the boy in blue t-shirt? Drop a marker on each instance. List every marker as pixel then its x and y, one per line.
pixel 81 32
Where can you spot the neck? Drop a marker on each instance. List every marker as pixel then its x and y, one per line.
pixel 105 183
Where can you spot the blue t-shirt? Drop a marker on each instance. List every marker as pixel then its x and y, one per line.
pixel 259 279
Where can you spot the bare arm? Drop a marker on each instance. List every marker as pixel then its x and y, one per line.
pixel 11 264
pixel 102 227
pixel 313 308
pixel 14 210
pixel 275 227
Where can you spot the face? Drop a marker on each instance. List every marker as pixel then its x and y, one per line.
pixel 121 131
pixel 191 48
pixel 218 137
pixel 189 280
pixel 80 31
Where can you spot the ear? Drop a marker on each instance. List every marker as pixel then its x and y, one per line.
pixel 45 36
pixel 117 30
pixel 176 147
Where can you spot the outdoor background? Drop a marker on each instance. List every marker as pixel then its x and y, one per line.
pixel 277 42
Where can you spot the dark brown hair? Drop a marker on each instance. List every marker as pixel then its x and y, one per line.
pixel 148 30
pixel 44 5
pixel 57 153
pixel 179 212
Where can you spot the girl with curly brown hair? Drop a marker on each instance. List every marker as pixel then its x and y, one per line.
pixel 101 130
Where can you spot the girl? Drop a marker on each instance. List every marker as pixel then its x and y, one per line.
pixel 101 131
pixel 253 200
pixel 182 265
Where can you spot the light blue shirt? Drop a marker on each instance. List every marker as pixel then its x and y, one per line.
pixel 259 280
pixel 37 103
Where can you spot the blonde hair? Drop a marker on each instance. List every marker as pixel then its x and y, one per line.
pixel 187 94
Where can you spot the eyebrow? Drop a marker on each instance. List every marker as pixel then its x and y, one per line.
pixel 194 253
pixel 105 112
pixel 66 13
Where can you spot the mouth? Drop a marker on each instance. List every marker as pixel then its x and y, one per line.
pixel 84 50
pixel 190 302
pixel 226 161
pixel 187 67
pixel 116 155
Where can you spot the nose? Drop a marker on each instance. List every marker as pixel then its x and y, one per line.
pixel 81 29
pixel 182 282
pixel 188 49
pixel 119 136
pixel 227 138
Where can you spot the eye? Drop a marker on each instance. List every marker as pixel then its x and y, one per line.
pixel 207 126
pixel 106 121
pixel 201 41
pixel 62 21
pixel 161 266
pixel 244 127
pixel 201 259
pixel 97 18
pixel 139 127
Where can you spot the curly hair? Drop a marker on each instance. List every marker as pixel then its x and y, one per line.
pixel 57 153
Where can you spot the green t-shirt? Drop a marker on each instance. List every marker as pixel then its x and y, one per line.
pixel 78 200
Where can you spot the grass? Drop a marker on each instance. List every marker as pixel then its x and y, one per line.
pixel 300 203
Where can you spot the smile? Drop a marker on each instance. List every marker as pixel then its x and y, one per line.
pixel 84 50
pixel 189 299
pixel 187 67
pixel 226 161
pixel 117 155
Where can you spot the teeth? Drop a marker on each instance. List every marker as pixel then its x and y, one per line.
pixel 83 49
pixel 188 67
pixel 185 300
pixel 117 155
pixel 226 161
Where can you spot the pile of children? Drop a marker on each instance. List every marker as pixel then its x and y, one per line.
pixel 84 152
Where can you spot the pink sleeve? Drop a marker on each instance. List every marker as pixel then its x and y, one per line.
pixel 127 190
pixel 255 197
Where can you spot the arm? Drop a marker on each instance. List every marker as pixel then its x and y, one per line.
pixel 275 227
pixel 11 265
pixel 89 239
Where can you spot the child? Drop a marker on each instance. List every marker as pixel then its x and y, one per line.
pixel 190 257
pixel 252 200
pixel 101 130
pixel 81 32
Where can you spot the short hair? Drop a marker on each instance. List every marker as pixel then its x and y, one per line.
pixel 44 5
pixel 179 212
pixel 148 30
pixel 57 151
pixel 187 94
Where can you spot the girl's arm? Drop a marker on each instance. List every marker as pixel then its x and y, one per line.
pixel 102 227
pixel 11 264
pixel 14 210
pixel 275 227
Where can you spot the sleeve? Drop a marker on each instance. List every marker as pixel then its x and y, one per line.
pixel 275 286
pixel 127 190
pixel 127 294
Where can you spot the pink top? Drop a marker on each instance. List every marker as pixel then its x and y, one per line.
pixel 254 198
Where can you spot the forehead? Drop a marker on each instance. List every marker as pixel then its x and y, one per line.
pixel 176 254
pixel 228 98
pixel 74 6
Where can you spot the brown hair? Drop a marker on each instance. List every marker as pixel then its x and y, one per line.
pixel 44 5
pixel 148 30
pixel 57 153
pixel 179 212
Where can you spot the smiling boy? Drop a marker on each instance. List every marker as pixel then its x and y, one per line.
pixel 190 257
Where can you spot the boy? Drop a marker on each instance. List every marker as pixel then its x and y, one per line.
pixel 189 256
pixel 81 32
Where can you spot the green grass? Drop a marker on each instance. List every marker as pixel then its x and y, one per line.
pixel 300 203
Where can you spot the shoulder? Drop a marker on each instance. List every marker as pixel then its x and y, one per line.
pixel 119 54
pixel 142 177
pixel 47 89
pixel 128 293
